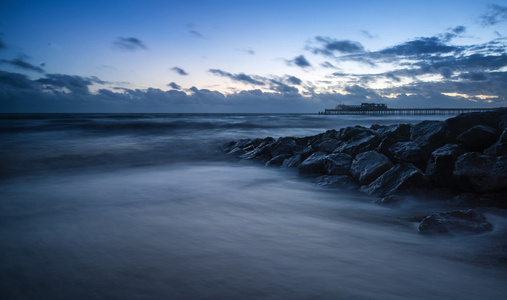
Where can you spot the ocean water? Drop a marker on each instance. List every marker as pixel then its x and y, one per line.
pixel 144 206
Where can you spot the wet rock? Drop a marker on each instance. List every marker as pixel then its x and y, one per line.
pixel 400 179
pixel 278 160
pixel 314 164
pixel 361 142
pixel 392 135
pixel 348 133
pixel 338 163
pixel 293 161
pixel 461 123
pixel 390 200
pixel 283 145
pixel 479 137
pixel 441 164
pixel 326 145
pixel 337 181
pixel 475 172
pixel 500 147
pixel 429 135
pixel 408 152
pixel 459 221
pixel 368 166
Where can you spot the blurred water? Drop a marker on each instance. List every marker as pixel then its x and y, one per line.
pixel 95 207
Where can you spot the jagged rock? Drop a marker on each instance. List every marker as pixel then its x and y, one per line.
pixel 399 179
pixel 390 200
pixel 368 166
pixel 458 221
pixel 338 163
pixel 475 172
pixel 479 137
pixel 441 164
pixel 337 181
pixel 314 164
pixel 461 123
pixel 429 135
pixel 293 161
pixel 278 160
pixel 347 133
pixel 408 152
pixel 377 127
pixel 392 135
pixel 283 145
pixel 361 142
pixel 327 145
pixel 500 147
pixel 237 152
pixel 306 152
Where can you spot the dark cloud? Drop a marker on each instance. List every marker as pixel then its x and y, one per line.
pixel 22 64
pixel 196 33
pixel 241 77
pixel 2 45
pixel 179 71
pixel 282 87
pixel 15 81
pixel 174 86
pixel 474 76
pixel 129 44
pixel 328 65
pixel 300 61
pixel 294 80
pixel 421 47
pixel 75 84
pixel 494 15
pixel 330 46
pixel 453 33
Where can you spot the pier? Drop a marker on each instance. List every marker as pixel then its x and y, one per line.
pixel 381 109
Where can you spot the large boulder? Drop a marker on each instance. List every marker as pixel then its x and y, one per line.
pixel 293 161
pixel 347 133
pixel 441 164
pixel 408 152
pixel 459 221
pixel 336 181
pixel 461 123
pixel 326 145
pixel 368 166
pixel 391 135
pixel 429 135
pixel 361 142
pixel 479 137
pixel 475 172
pixel 284 145
pixel 338 163
pixel 278 160
pixel 314 164
pixel 258 150
pixel 500 147
pixel 400 179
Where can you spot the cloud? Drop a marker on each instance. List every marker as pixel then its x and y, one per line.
pixel 22 64
pixel 328 65
pixel 331 46
pixel 129 44
pixel 74 84
pixel 422 46
pixel 174 86
pixel 368 34
pixel 453 33
pixel 300 61
pixel 196 33
pixel 241 77
pixel 2 45
pixel 294 80
pixel 494 15
pixel 281 87
pixel 179 71
pixel 248 50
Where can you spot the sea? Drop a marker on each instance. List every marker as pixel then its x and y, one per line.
pixel 146 206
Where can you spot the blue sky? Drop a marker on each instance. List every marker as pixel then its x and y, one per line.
pixel 250 56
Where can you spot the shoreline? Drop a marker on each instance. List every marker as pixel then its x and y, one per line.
pixel 462 160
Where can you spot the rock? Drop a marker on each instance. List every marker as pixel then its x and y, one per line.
pixel 347 133
pixel 475 172
pixel 500 147
pixel 361 142
pixel 368 166
pixel 479 137
pixel 392 135
pixel 408 152
pixel 399 179
pixel 337 181
pixel 326 145
pixel 283 145
pixel 260 151
pixel 338 163
pixel 314 164
pixel 390 200
pixel 441 164
pixel 293 161
pixel 429 135
pixel 461 123
pixel 278 160
pixel 458 221
pixel 237 152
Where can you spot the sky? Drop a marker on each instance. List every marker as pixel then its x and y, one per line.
pixel 250 56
